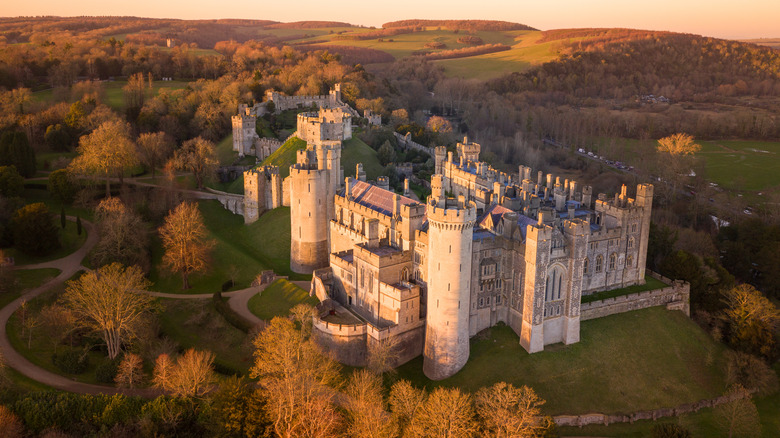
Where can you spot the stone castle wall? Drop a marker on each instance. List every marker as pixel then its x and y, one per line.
pixel 407 143
pixel 676 296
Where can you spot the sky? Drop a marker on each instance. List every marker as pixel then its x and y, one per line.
pixel 718 18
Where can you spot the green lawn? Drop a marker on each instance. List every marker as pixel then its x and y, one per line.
pixel 645 359
pixel 31 278
pixel 742 164
pixel 278 298
pixel 113 95
pixel 285 156
pixel 357 151
pixel 196 324
pixel 70 241
pixel 650 284
pixel 240 251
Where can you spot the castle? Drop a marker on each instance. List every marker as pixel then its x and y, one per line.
pixel 485 247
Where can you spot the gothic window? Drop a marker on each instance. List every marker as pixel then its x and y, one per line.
pixel 481 302
pixel 631 243
pixel 553 288
pixel 599 263
pixel 585 266
pixel 612 261
pixel 498 299
pixel 405 275
pixel 630 261
pixel 633 228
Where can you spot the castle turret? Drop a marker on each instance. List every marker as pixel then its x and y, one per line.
pixel 309 189
pixel 644 199
pixel 254 188
pixel 451 226
pixel 537 259
pixel 439 155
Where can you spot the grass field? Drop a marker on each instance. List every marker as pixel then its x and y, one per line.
pixel 112 95
pixel 278 298
pixel 240 251
pixel 27 279
pixel 70 241
pixel 650 284
pixel 357 151
pixel 742 164
pixel 638 360
pixel 196 324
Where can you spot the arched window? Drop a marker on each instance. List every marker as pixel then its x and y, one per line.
pixel 554 287
pixel 630 243
pixel 629 261
pixel 404 274
pixel 612 261
pixel 585 266
pixel 599 263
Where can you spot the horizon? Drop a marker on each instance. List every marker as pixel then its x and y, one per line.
pixel 752 20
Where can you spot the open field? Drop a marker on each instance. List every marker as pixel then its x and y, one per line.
pixel 605 372
pixel 240 251
pixel 278 298
pixel 113 96
pixel 742 164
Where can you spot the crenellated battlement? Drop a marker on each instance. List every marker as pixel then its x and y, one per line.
pixel 459 214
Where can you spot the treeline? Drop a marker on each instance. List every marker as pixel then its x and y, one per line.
pixel 474 25
pixel 380 33
pixel 467 51
pixel 308 25
pixel 350 55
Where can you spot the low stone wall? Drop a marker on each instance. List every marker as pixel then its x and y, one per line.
pixel 675 297
pixel 607 419
pixel 406 142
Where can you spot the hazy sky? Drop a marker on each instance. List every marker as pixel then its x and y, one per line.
pixel 719 18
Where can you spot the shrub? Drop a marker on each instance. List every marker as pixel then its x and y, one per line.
pixel 227 285
pixel 34 230
pixel 670 430
pixel 71 361
pixel 230 315
pixel 106 371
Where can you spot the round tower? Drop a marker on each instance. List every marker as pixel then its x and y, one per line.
pixel 451 226
pixel 309 188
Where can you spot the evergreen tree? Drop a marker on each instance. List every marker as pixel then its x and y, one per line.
pixel 78 225
pixel 15 150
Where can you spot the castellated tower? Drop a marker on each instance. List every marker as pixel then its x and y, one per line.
pixel 451 226
pixel 644 199
pixel 309 190
pixel 537 259
pixel 440 155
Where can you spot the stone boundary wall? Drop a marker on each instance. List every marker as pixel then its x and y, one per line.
pixel 674 297
pixel 406 142
pixel 607 419
pixel 232 202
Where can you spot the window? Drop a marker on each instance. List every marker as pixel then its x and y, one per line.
pixel 633 228
pixel 630 243
pixel 498 299
pixel 612 261
pixel 481 302
pixel 405 275
pixel 599 263
pixel 630 261
pixel 554 286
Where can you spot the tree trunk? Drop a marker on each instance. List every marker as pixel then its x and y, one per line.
pixel 185 281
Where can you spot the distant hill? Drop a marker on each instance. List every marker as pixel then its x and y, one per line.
pixel 769 42
pixel 461 24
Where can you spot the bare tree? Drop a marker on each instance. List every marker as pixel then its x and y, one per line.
pixel 674 151
pixel 752 317
pixel 447 412
pixel 405 401
pixel 154 149
pixel 199 157
pixel 106 152
pixel 106 301
pixel 130 372
pixel 123 236
pixel 367 415
pixel 507 411
pixel 382 355
pixel 163 372
pixel 184 240
pixel 191 375
pixel 57 322
pixel 738 417
pixel 295 378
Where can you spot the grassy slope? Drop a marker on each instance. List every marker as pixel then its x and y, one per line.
pixel 605 372
pixel 278 298
pixel 357 151
pixel 240 250
pixel 285 156
pixel 196 324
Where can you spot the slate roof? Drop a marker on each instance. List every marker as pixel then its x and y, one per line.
pixel 375 198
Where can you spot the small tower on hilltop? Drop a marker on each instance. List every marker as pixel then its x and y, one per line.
pixel 469 151
pixel 451 226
